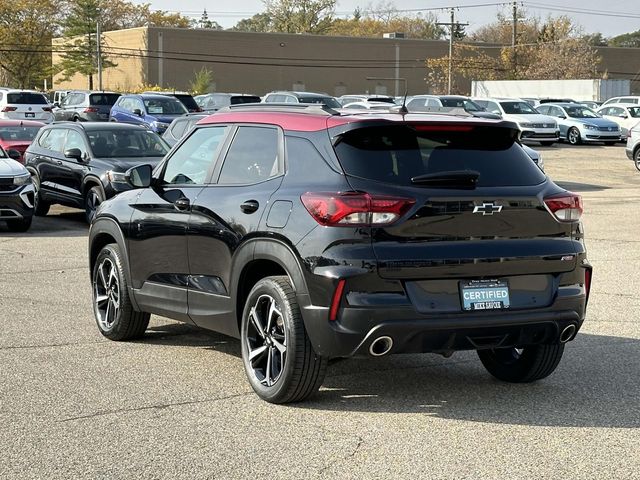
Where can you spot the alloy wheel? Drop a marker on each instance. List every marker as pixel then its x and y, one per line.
pixel 106 294
pixel 636 159
pixel 266 338
pixel 93 201
pixel 574 136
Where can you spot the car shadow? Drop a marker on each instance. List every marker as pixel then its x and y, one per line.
pixel 66 223
pixel 581 187
pixel 589 388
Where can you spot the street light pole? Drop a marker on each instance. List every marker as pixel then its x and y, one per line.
pixel 99 49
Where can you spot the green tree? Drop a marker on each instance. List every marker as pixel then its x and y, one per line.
pixel 260 22
pixel 26 30
pixel 80 44
pixel 201 82
pixel 300 16
pixel 630 40
pixel 206 22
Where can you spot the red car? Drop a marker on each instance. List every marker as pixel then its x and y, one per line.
pixel 18 134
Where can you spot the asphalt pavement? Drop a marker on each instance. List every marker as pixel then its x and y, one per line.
pixel 176 404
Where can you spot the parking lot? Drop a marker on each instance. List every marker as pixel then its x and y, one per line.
pixel 176 404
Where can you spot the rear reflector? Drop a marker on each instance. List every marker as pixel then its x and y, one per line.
pixel 566 207
pixel 335 301
pixel 587 282
pixel 9 109
pixel 350 209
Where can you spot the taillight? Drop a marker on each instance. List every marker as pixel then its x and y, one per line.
pixel 9 109
pixel 91 110
pixel 335 301
pixel 355 209
pixel 566 207
pixel 46 109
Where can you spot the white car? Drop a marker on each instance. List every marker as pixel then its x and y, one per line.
pixel 384 106
pixel 533 125
pixel 627 115
pixel 626 99
pixel 346 99
pixel 25 105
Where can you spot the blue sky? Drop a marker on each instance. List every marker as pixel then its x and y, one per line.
pixel 593 15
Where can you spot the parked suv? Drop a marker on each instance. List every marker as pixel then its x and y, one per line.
pixel 82 164
pixel 86 106
pixel 302 97
pixel 16 194
pixel 149 110
pixel 533 125
pixel 414 233
pixel 185 98
pixel 212 102
pixel 24 105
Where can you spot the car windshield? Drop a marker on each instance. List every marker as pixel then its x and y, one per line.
pixel 634 111
pixel 517 108
pixel 18 133
pixel 579 111
pixel 401 154
pixel 105 99
pixel 111 143
pixel 164 106
pixel 328 101
pixel 27 98
pixel 467 105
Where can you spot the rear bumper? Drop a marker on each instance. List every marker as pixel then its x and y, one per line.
pixel 356 328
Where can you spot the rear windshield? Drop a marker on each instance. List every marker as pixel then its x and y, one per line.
pixel 103 98
pixel 27 98
pixel 328 101
pixel 396 154
pixel 517 108
pixel 238 99
pixel 188 101
pixel 18 133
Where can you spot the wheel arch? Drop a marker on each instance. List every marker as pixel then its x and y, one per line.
pixel 89 182
pixel 263 258
pixel 104 231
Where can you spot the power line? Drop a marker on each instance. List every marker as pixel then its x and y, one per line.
pixel 583 11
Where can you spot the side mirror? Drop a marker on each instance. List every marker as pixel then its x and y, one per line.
pixel 562 116
pixel 623 115
pixel 14 154
pixel 74 153
pixel 55 105
pixel 139 177
pixel 137 112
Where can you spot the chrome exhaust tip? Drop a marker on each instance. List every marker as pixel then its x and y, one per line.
pixel 381 346
pixel 567 333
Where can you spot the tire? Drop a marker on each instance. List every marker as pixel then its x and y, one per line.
pixel 40 207
pixel 114 314
pixel 92 200
pixel 524 365
pixel 20 225
pixel 547 144
pixel 573 136
pixel 286 368
pixel 636 159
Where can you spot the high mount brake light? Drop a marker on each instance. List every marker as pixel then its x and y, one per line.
pixel 443 128
pixel 350 209
pixel 566 207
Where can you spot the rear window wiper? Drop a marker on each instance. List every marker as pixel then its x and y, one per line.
pixel 466 178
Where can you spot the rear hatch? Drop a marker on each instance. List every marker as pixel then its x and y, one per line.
pixel 27 106
pixel 101 103
pixel 479 213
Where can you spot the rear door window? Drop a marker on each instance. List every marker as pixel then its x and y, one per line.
pixel 252 157
pixel 396 154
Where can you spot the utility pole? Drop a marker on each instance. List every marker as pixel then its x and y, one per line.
pixel 453 27
pixel 99 50
pixel 514 39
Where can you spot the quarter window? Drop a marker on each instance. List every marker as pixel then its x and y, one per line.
pixel 55 140
pixel 194 159
pixel 252 157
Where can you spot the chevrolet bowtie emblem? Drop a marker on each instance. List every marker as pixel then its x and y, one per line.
pixel 487 209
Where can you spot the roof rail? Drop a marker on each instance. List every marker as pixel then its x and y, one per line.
pixel 312 108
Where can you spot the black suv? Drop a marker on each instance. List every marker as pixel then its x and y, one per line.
pixel 85 106
pixel 311 235
pixel 82 164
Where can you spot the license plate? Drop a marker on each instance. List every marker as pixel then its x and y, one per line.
pixel 484 295
pixel 30 115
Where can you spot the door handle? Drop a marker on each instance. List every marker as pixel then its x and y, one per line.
pixel 249 206
pixel 58 162
pixel 182 204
